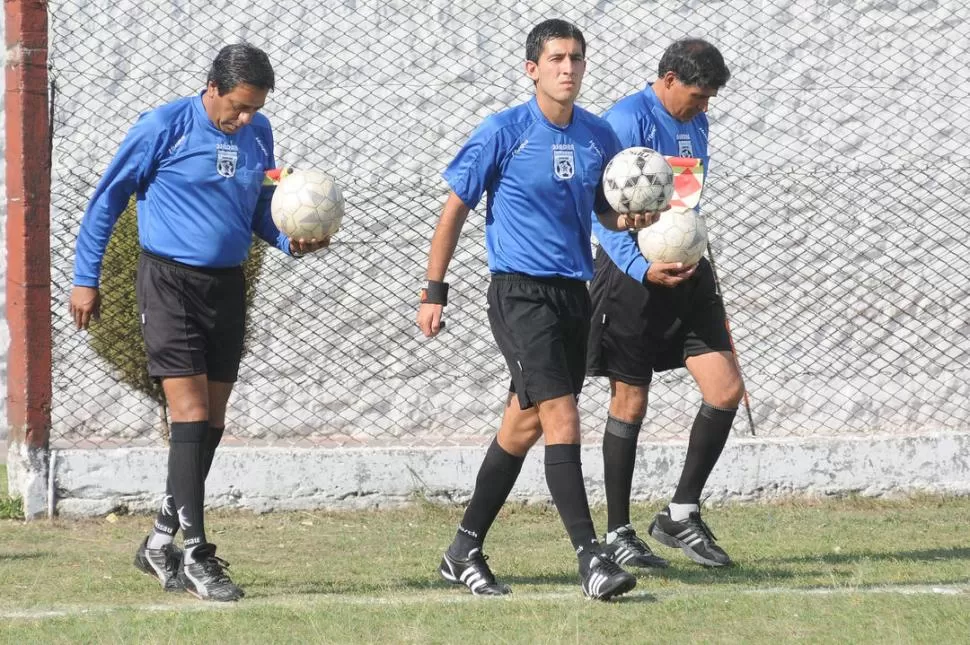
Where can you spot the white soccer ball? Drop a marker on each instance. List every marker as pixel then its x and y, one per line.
pixel 679 236
pixel 307 204
pixel 638 180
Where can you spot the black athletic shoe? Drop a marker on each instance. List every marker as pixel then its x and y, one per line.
pixel 692 536
pixel 626 548
pixel 162 564
pixel 473 572
pixel 604 579
pixel 206 578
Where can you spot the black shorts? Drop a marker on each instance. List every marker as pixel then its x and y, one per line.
pixel 541 326
pixel 637 329
pixel 193 319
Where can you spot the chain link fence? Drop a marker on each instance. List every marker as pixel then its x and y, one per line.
pixel 835 202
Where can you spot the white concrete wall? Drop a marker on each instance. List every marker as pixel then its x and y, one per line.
pixel 91 482
pixel 836 254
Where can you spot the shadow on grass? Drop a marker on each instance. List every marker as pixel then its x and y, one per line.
pixel 745 574
pixel 402 586
pixel 259 586
pixel 928 555
pixel 761 572
pixel 736 574
pixel 23 556
pixel 559 578
pixel 635 597
pixel 266 588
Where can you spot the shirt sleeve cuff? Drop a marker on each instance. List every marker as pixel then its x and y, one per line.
pixel 283 244
pixel 638 268
pixel 85 281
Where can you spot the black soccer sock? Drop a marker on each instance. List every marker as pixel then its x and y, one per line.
pixel 166 521
pixel 619 458
pixel 564 476
pixel 496 477
pixel 186 474
pixel 707 438
pixel 211 443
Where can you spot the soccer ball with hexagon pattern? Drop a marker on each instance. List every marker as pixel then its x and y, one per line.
pixel 307 204
pixel 638 180
pixel 679 236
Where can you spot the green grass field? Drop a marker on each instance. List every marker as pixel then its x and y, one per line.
pixel 851 571
pixel 11 508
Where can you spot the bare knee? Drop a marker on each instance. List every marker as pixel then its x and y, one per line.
pixel 187 398
pixel 560 420
pixel 628 402
pixel 718 378
pixel 727 394
pixel 518 441
pixel 183 410
pixel 520 428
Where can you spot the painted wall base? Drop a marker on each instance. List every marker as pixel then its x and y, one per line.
pixel 267 479
pixel 27 477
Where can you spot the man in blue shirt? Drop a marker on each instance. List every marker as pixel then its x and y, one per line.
pixel 540 164
pixel 657 316
pixel 196 167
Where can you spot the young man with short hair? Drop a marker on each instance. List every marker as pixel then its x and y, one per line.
pixel 541 165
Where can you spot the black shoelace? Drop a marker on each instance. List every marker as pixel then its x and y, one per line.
pixel 695 522
pixel 215 567
pixel 478 561
pixel 172 559
pixel 607 565
pixel 632 540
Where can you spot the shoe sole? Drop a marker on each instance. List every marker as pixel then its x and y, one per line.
pixel 446 575
pixel 624 586
pixel 669 540
pixel 190 589
pixel 241 595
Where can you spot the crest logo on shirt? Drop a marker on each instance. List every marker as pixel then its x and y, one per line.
pixel 227 155
pixel 684 147
pixel 563 161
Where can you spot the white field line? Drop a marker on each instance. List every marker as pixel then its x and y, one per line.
pixel 308 601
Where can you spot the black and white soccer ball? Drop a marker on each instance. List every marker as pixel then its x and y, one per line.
pixel 638 180
pixel 680 235
pixel 307 204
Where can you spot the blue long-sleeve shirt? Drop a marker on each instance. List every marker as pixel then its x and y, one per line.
pixel 641 120
pixel 199 191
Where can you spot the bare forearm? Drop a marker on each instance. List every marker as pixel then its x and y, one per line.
pixel 445 237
